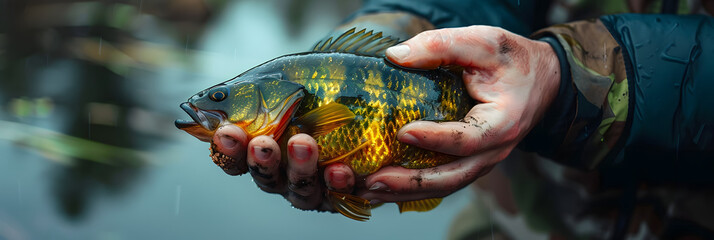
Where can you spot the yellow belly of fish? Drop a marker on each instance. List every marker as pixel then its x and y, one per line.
pixel 368 141
pixel 371 143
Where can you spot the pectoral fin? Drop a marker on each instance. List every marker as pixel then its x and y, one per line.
pixel 419 205
pixel 350 206
pixel 324 119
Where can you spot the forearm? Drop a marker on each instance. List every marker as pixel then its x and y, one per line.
pixel 637 96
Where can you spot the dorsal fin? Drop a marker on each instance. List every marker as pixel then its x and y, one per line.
pixel 360 42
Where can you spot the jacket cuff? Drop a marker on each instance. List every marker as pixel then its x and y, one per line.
pixel 548 134
pixel 601 104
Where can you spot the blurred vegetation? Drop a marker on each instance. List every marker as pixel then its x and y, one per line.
pixel 67 90
pixel 77 83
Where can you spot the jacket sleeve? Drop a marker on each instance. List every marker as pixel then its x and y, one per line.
pixel 404 19
pixel 521 17
pixel 641 94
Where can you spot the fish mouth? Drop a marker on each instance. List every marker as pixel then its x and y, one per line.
pixel 210 120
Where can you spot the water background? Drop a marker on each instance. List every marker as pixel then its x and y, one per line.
pixel 88 94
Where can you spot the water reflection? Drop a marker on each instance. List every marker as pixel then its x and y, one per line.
pixel 88 95
pixel 68 66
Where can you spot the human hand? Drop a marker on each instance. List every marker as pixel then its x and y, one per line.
pixel 514 79
pixel 295 179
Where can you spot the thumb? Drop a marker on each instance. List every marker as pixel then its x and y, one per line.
pixel 467 47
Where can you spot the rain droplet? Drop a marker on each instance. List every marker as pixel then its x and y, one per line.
pixel 100 46
pixel 177 203
pixel 186 46
pixel 19 191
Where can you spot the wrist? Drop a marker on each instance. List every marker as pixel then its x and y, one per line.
pixel 549 132
pixel 549 75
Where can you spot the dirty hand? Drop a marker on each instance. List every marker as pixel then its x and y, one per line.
pixel 297 179
pixel 512 78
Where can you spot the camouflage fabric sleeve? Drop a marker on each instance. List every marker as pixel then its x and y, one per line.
pixel 642 97
pixel 600 101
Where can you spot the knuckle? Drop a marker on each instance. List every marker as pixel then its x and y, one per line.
pixel 510 136
pixel 269 187
pixel 466 151
pixel 446 191
pixel 470 147
pixel 504 155
pixel 299 172
pixel 302 202
pixel 302 138
pixel 261 141
pixel 303 186
pixel 492 31
pixel 436 41
pixel 259 172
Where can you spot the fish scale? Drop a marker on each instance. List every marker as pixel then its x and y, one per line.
pixel 383 108
pixel 348 97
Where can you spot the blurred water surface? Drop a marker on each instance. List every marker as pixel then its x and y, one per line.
pixel 88 150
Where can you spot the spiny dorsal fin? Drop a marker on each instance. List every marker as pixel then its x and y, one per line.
pixel 360 42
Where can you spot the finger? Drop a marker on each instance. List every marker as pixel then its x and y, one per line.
pixel 303 189
pixel 228 149
pixel 395 184
pixel 448 46
pixel 484 127
pixel 264 164
pixel 339 177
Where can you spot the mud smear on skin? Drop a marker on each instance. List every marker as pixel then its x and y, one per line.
pixel 257 171
pixel 418 178
pixel 301 184
pixel 515 52
pixel 229 165
pixel 457 136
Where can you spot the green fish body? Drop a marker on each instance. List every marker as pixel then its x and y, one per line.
pixel 348 97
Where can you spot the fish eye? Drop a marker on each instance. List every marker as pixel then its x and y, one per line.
pixel 218 94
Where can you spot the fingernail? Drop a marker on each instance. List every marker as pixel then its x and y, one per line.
pixel 378 186
pixel 338 178
pixel 374 202
pixel 261 153
pixel 408 139
pixel 228 141
pixel 300 152
pixel 398 52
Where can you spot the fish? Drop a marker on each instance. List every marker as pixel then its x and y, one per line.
pixel 348 96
